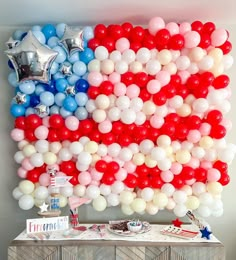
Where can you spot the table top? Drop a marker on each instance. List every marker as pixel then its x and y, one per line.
pixel 101 234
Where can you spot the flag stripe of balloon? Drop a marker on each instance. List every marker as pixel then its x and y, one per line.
pixel 136 116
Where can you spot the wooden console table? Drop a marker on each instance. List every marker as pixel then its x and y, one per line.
pixel 116 248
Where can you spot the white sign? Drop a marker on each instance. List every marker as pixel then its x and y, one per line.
pixel 37 225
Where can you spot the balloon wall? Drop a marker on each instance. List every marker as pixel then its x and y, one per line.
pixel 137 116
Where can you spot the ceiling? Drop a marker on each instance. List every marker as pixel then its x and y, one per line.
pixel 90 12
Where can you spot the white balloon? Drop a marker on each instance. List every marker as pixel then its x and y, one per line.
pixel 42 146
pixel 79 190
pixel 127 210
pixel 113 199
pixel 99 204
pixel 75 148
pixel 147 194
pixel 66 191
pixel 92 192
pixel 84 158
pixel 41 193
pixel 146 146
pixel 158 153
pixel 180 197
pixel 26 202
pixel 19 157
pixel 26 187
pixel 105 189
pixel 117 187
pixel 198 188
pixel 17 193
pixel 151 208
pixel 180 210
pixel 125 154
pixel 204 211
pixel 126 197
pixel 168 189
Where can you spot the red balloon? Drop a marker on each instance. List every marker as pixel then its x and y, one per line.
pixel 141 79
pixel 101 166
pixel 182 90
pixel 108 178
pixel 226 47
pixel 208 27
pixel 144 95
pixel 169 90
pixel 115 31
pixel 113 167
pixel 214 117
pixel 149 41
pixel 127 28
pixel 156 182
pixel 93 92
pixel 74 180
pixel 172 117
pixel 187 173
pixel 162 38
pixel 63 133
pixel 193 122
pixel 68 167
pixel 200 92
pixel 109 43
pixel 32 121
pixel 217 131
pixel 106 88
pixel 142 171
pixel 206 79
pixel 86 126
pixel 222 81
pixel 124 139
pixel 131 181
pixel 143 182
pixel 181 131
pixel 108 138
pixel 168 128
pixel 205 41
pixel 20 122
pixel 175 80
pixel 135 46
pixel 200 174
pixel 29 135
pixel 197 26
pixel 176 42
pixel 100 31
pixel 177 182
pixel 221 166
pixel 117 127
pixel 193 82
pixel 56 121
pixel 137 34
pixel 95 136
pixel 160 98
pixel 127 78
pixel 53 135
pixel 33 175
pixel 224 179
pixel 153 133
pixel 93 43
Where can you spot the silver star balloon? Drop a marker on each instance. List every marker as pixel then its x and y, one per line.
pixel 31 59
pixel 70 90
pixel 41 110
pixel 72 40
pixel 20 98
pixel 11 43
pixel 66 69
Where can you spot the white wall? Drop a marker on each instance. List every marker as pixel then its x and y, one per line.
pixel 12 219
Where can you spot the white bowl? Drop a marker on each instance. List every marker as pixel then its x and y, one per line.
pixel 134 226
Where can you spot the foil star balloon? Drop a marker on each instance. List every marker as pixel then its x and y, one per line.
pixel 31 59
pixel 20 98
pixel 70 90
pixel 11 43
pixel 41 110
pixel 66 69
pixel 72 40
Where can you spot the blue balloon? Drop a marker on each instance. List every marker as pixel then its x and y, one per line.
pixel 74 57
pixel 49 30
pixel 27 87
pixel 47 98
pixel 72 79
pixel 17 35
pixel 61 84
pixel 58 75
pixel 88 33
pixel 81 85
pixel 87 55
pixel 39 89
pixel 27 103
pixel 60 29
pixel 17 110
pixel 53 41
pixel 81 99
pixel 51 87
pixel 65 113
pixel 59 99
pixel 54 68
pixel 40 36
pixel 81 113
pixel 10 65
pixel 79 68
pixel 36 28
pixel 29 111
pixel 61 57
pixel 54 110
pixel 12 79
pixel 69 104
pixel 34 100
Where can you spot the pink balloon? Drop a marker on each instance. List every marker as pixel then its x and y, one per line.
pixel 213 175
pixel 114 77
pixel 121 174
pixel 205 129
pixel 44 179
pixel 95 183
pixel 105 77
pixel 176 168
pixel 153 86
pixel 191 39
pixel 22 173
pixel 163 77
pixel 156 24
pixel 122 44
pixel 27 165
pixel 132 91
pixel 107 158
pixel 46 121
pixel 184 27
pixel 206 165
pixel 105 126
pixel 167 176
pixel 95 78
pixel 95 175
pixel 190 182
pixel 41 132
pixel 17 134
pixel 72 123
pixel 184 75
pixel 119 89
pixel 173 28
pixel 218 37
pixel 194 136
pixel 227 124
pixel 156 121
pixel 194 163
pixel 84 178
pixel 129 166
